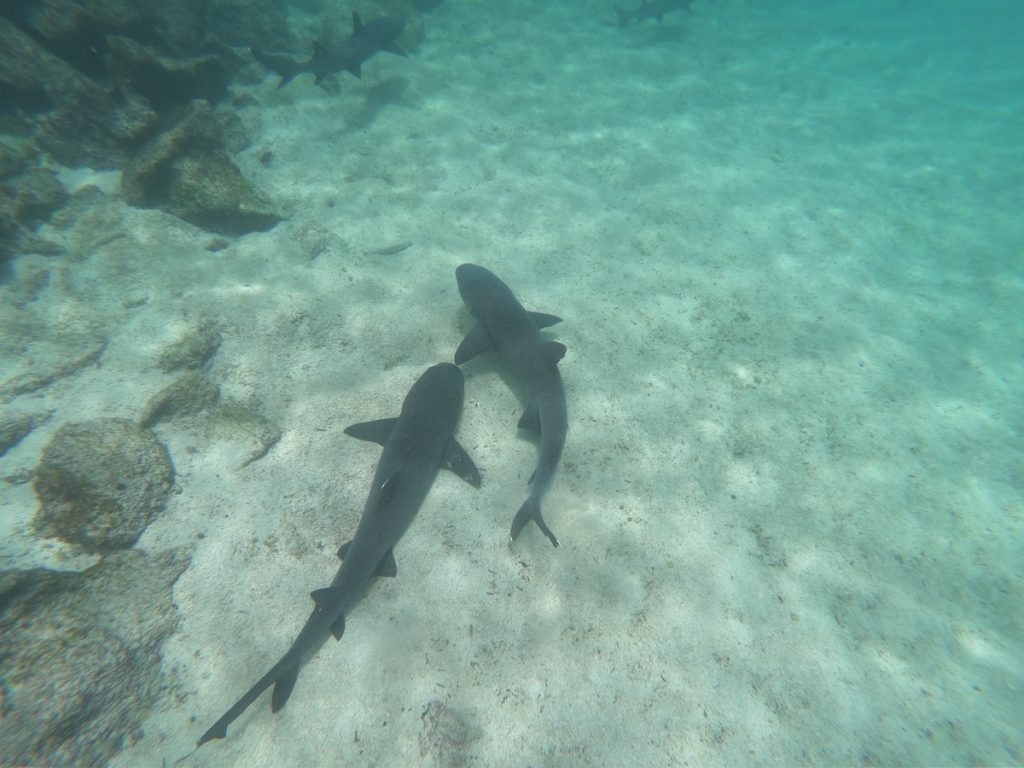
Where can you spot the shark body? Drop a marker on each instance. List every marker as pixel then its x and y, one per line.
pixel 652 9
pixel 504 327
pixel 417 444
pixel 365 41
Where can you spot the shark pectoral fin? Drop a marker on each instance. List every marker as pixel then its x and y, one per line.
pixel 374 431
pixel 544 320
pixel 343 550
pixel 338 627
pixel 357 70
pixel 283 688
pixel 387 565
pixel 455 459
pixel 324 597
pixel 530 420
pixel 476 343
pixel 553 351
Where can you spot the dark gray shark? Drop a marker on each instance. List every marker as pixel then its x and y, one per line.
pixel 416 445
pixel 652 9
pixel 365 41
pixel 503 326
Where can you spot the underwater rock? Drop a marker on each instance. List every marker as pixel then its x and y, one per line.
pixel 37 193
pixel 191 350
pixel 163 80
pixel 13 429
pixel 42 372
pixel 235 421
pixel 13 160
pixel 81 657
pixel 100 483
pixel 186 172
pixel 187 395
pixel 446 737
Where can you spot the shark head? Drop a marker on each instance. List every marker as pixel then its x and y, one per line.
pixel 479 287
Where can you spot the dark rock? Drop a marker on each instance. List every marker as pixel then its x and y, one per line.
pixel 185 171
pixel 13 429
pixel 447 738
pixel 81 657
pixel 187 395
pixel 165 81
pixel 37 193
pixel 13 160
pixel 190 351
pixel 100 483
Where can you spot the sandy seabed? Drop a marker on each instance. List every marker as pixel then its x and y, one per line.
pixel 787 250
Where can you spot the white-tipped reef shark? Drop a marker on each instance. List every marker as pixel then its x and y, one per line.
pixel 504 327
pixel 416 445
pixel 365 41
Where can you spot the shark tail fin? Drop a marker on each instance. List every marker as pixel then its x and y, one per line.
pixel 284 66
pixel 531 511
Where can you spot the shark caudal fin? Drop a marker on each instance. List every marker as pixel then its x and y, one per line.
pixel 284 66
pixel 531 511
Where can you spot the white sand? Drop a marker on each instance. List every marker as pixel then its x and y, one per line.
pixel 787 249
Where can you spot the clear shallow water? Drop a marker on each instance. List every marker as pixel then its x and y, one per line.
pixel 786 244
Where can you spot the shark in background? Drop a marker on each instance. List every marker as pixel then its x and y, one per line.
pixel 652 9
pixel 504 327
pixel 417 444
pixel 365 41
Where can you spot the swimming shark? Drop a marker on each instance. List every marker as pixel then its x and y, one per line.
pixel 365 40
pixel 504 327
pixel 652 9
pixel 416 445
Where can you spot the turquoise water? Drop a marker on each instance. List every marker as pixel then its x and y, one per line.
pixel 786 244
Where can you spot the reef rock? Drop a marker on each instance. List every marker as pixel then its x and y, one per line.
pixel 100 483
pixel 81 657
pixel 187 172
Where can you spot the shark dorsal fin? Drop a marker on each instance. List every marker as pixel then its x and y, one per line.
pixel 357 23
pixel 544 320
pixel 455 459
pixel 357 70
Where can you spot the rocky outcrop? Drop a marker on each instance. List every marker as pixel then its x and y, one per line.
pixel 81 657
pixel 100 483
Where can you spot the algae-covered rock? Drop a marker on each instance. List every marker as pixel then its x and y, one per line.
pixel 192 350
pixel 14 428
pixel 187 172
pixel 235 421
pixel 187 395
pixel 81 657
pixel 100 483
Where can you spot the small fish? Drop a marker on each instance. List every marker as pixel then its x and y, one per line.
pixel 390 250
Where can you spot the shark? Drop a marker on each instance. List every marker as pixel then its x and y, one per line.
pixel 365 41
pixel 417 444
pixel 652 9
pixel 504 327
